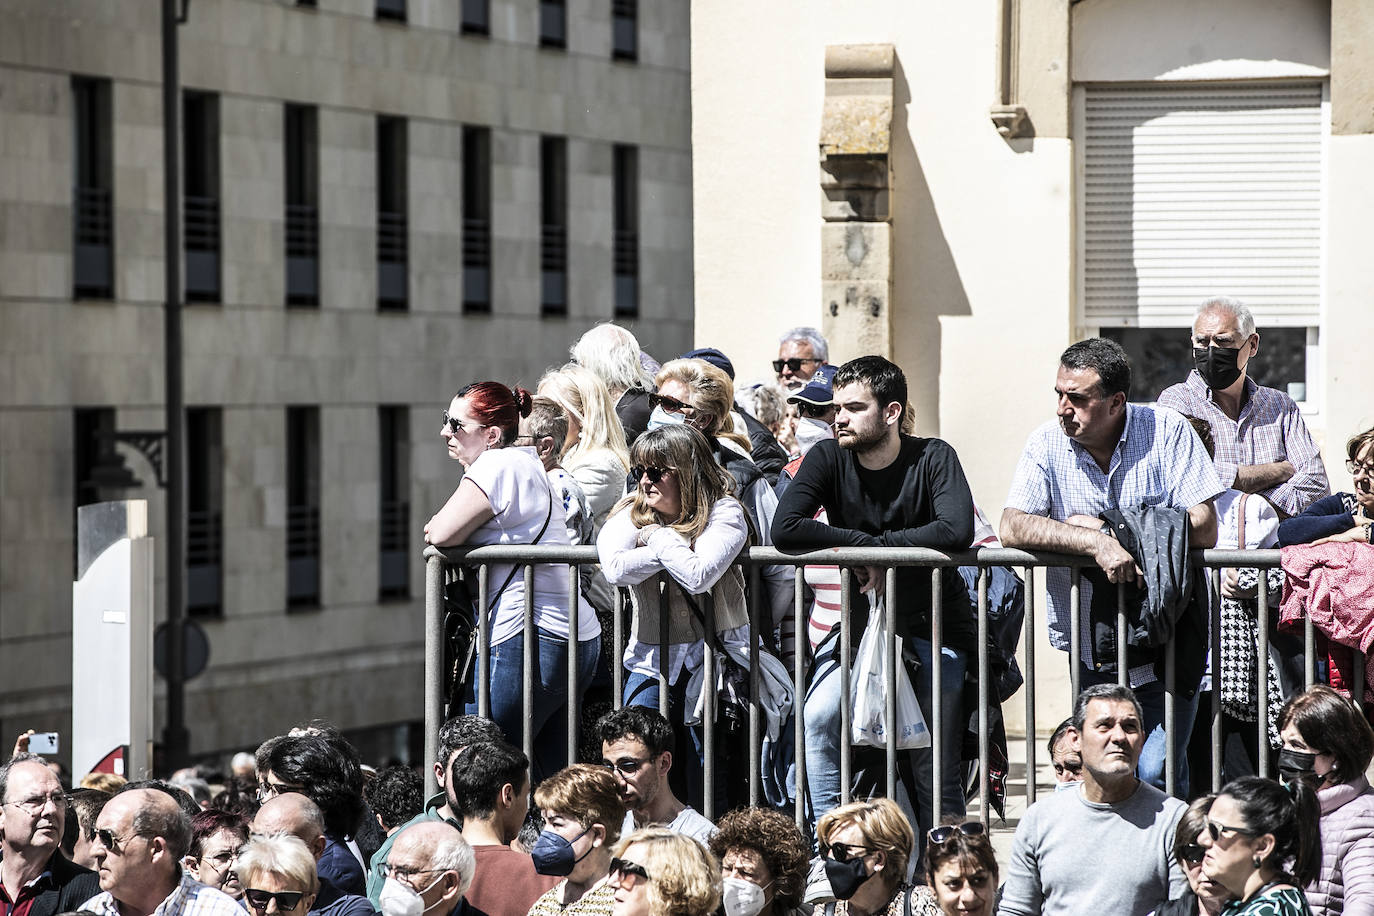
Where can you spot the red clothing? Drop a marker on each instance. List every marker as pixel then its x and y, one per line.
pixel 505 883
pixel 23 902
pixel 1334 585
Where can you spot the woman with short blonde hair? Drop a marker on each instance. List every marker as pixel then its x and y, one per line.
pixel 276 869
pixel 657 872
pixel 865 847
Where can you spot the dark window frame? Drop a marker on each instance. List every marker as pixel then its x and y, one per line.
pixel 553 24
pixel 92 188
pixel 301 192
pixel 625 229
pixel 303 564
pixel 625 30
pixel 476 204
pixel 393 218
pixel 202 196
pixel 553 225
pixel 395 540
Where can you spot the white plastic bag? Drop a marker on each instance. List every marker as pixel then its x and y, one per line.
pixel 868 692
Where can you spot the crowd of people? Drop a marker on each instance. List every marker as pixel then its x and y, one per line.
pixel 671 470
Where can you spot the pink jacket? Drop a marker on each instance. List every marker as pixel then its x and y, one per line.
pixel 1334 585
pixel 1346 883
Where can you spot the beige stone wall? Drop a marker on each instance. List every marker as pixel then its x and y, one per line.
pixel 355 661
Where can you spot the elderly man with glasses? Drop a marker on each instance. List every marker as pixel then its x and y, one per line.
pixel 801 351
pixel 432 862
pixel 35 878
pixel 140 839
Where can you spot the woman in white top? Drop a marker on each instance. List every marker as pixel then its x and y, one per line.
pixel 680 520
pixel 595 453
pixel 505 498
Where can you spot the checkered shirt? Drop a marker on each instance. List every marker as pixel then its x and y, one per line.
pixel 1159 460
pixel 191 898
pixel 1270 428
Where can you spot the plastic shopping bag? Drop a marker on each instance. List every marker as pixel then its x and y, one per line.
pixel 868 692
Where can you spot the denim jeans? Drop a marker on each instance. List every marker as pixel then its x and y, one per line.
pixel 825 732
pixel 548 724
pixel 1150 767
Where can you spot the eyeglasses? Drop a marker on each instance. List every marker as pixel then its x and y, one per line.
pixel 35 804
pixel 794 364
pixel 626 766
pixel 221 860
pixel 268 790
pixel 672 405
pixel 943 832
pixel 259 899
pixel 1068 766
pixel 1192 853
pixel 405 874
pixel 110 841
pixel 654 474
pixel 1215 830
pixel 454 424
pixel 622 867
pixel 843 852
pixel 1356 468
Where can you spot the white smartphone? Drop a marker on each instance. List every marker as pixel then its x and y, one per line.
pixel 43 743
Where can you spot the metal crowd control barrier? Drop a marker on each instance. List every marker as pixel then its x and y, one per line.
pixel 441 565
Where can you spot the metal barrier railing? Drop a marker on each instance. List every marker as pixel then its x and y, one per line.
pixel 441 565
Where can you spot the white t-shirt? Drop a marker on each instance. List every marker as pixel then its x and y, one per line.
pixel 518 489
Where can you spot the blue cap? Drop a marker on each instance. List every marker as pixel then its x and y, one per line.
pixel 818 389
pixel 715 358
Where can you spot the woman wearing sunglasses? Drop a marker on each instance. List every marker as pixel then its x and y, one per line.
pixel 1204 896
pixel 505 498
pixel 656 872
pixel 865 847
pixel 1262 846
pixel 278 876
pixel 679 520
pixel 961 872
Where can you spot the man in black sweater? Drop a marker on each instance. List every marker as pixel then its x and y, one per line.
pixel 882 488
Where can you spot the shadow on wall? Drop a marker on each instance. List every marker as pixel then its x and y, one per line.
pixel 925 278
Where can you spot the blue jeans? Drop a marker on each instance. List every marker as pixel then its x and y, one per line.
pixel 548 724
pixel 825 733
pixel 1150 767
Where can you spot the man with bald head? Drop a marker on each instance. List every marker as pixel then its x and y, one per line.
pixel 140 839
pixel 294 814
pixel 36 879
pixel 429 860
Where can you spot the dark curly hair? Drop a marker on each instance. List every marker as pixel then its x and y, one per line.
pixel 325 775
pixel 396 795
pixel 775 837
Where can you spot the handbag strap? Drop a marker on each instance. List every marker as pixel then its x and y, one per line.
pixel 514 566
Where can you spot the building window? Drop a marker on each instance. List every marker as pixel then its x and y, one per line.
pixel 391 10
pixel 392 190
pixel 302 507
pixel 1161 357
pixel 309 3
pixel 201 199
pixel 553 24
pixel 476 220
pixel 93 190
pixel 476 17
pixel 204 511
pixel 626 231
pixel 625 29
pixel 94 458
pixel 302 153
pixel 553 225
pixel 393 433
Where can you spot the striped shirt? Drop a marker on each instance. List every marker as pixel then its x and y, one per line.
pixel 190 898
pixel 1158 461
pixel 1270 428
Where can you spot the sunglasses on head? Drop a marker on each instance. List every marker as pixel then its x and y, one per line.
pixel 672 405
pixel 654 474
pixel 286 900
pixel 623 867
pixel 943 832
pixel 794 363
pixel 1192 853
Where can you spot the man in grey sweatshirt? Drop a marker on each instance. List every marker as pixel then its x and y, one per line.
pixel 1105 848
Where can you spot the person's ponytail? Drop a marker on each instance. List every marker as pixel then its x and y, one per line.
pixel 1307 843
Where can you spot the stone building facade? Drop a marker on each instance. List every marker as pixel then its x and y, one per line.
pixel 384 200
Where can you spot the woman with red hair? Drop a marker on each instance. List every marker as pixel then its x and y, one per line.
pixel 505 498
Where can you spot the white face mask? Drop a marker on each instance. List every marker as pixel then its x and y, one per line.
pixel 400 899
pixel 742 898
pixel 810 431
pixel 661 417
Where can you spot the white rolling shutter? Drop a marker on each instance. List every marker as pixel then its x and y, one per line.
pixel 1197 189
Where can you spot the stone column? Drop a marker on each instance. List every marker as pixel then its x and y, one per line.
pixel 856 183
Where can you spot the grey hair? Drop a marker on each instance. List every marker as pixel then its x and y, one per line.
pixel 1111 693
pixel 9 765
pixel 819 348
pixel 455 854
pixel 193 786
pixel 764 402
pixel 612 353
pixel 1245 322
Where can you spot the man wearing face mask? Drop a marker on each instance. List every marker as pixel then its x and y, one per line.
pixel 1262 444
pixel 429 870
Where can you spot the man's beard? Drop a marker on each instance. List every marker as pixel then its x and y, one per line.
pixel 856 441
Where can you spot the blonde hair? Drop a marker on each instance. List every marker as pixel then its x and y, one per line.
pixel 587 794
pixel 105 782
pixel 585 399
pixel 684 879
pixel 712 392
pixel 883 826
pixel 612 353
pixel 701 481
pixel 280 854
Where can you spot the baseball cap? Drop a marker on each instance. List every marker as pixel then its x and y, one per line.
pixel 817 390
pixel 715 358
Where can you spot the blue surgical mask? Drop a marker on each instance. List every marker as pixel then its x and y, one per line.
pixel 661 417
pixel 553 854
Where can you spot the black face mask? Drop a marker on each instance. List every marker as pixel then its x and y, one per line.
pixel 1294 764
pixel 1217 366
pixel 846 877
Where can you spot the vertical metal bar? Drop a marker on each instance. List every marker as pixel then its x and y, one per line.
pixel 483 673
pixel 755 675
pixel 1357 678
pixel 708 715
pixel 846 704
pixel 528 667
pixel 665 583
pixel 434 666
pixel 937 716
pixel 1028 649
pixel 1309 650
pixel 618 645
pixel 984 744
pixel 1075 632
pixel 1123 673
pixel 574 630
pixel 890 699
pixel 798 694
pixel 1169 724
pixel 1262 706
pixel 1214 631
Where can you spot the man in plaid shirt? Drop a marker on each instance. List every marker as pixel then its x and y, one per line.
pixel 1262 443
pixel 1103 453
